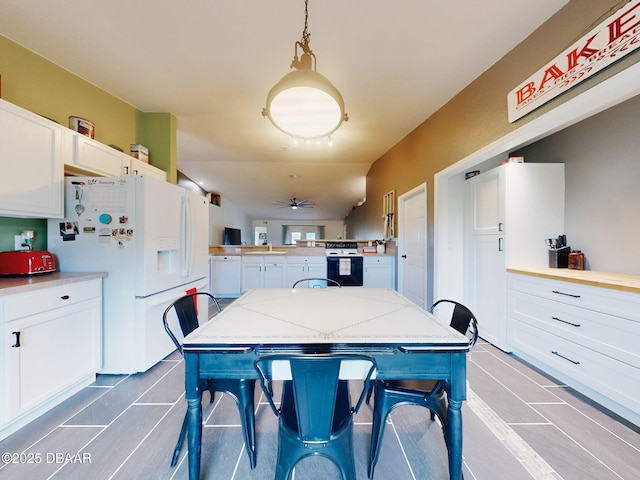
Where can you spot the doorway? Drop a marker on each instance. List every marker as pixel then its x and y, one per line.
pixel 412 245
pixel 448 183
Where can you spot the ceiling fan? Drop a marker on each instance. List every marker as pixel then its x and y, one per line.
pixel 294 203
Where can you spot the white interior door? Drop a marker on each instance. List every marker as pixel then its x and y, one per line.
pixel 412 245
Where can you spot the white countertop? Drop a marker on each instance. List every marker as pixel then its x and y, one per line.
pixel 614 281
pixel 15 284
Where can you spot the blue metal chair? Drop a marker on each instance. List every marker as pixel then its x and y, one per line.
pixel 431 394
pixel 315 414
pixel 242 391
pixel 317 282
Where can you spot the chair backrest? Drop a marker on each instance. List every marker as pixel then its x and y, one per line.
pixel 317 389
pixel 462 319
pixel 186 309
pixel 317 282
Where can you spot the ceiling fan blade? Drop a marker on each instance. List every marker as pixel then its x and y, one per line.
pixel 294 203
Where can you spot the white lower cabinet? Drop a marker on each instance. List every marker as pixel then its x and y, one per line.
pixel 586 336
pixel 300 267
pixel 263 271
pixel 379 271
pixel 51 347
pixel 225 275
pixel 487 275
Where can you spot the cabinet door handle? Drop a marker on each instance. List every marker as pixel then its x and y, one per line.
pixel 501 244
pixel 565 358
pixel 126 170
pixel 565 321
pixel 404 256
pixel 135 172
pixel 65 297
pixel 17 344
pixel 566 294
pixel 500 227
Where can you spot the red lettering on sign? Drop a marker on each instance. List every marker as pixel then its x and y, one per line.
pixel 553 72
pixel 525 92
pixel 616 27
pixel 586 52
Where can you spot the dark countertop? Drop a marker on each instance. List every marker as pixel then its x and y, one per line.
pixel 20 284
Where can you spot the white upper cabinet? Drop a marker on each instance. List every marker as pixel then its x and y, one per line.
pixel 94 158
pixel 32 154
pixel 97 159
pixel 138 167
pixel 487 209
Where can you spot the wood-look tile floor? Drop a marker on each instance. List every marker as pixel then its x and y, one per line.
pixel 518 424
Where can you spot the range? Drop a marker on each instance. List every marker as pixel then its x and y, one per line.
pixel 345 264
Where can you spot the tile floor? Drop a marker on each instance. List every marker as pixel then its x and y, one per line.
pixel 518 424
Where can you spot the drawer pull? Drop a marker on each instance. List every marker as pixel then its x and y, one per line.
pixel 567 294
pixel 565 321
pixel 565 358
pixel 65 297
pixel 17 344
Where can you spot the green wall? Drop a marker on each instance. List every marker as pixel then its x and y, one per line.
pixel 40 86
pixel 9 227
pixel 157 132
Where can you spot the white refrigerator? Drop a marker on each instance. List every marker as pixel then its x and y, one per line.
pixel 151 237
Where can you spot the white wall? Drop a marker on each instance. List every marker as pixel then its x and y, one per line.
pixel 228 215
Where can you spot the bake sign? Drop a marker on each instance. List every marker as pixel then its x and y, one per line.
pixel 607 43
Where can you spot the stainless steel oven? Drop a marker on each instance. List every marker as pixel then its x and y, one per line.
pixel 345 264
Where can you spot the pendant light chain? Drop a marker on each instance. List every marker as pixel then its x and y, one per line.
pixel 308 59
pixel 306 36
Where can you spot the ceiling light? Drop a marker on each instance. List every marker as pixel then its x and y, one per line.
pixel 304 104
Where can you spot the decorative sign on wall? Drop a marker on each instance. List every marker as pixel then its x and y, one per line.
pixel 607 43
pixel 388 211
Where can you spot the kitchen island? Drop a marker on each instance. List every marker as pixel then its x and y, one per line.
pixel 51 342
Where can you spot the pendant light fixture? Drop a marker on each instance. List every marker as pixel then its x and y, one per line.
pixel 304 104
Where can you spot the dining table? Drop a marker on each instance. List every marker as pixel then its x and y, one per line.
pixel 405 340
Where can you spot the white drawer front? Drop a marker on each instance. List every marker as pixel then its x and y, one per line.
pixel 613 379
pixel 310 260
pixel 378 260
pixel 25 304
pixel 613 302
pixel 609 335
pixel 226 258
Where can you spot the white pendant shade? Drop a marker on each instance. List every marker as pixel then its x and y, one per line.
pixel 304 104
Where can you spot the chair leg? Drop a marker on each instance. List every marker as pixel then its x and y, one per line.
pixel 380 413
pixel 246 406
pixel 176 451
pixel 369 392
pixel 243 393
pixel 346 462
